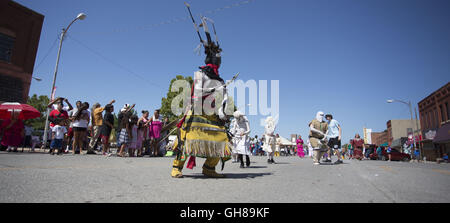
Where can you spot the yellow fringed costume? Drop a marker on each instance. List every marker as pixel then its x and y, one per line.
pixel 202 136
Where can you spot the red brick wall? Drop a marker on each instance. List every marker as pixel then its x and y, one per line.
pixel 430 112
pixel 379 138
pixel 26 26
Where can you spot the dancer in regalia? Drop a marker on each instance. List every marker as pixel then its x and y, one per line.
pixel 318 129
pixel 241 140
pixel 203 133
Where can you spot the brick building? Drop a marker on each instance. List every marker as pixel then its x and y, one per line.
pixel 379 138
pixel 20 31
pixel 434 114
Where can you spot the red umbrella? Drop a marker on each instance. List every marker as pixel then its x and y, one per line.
pixel 26 111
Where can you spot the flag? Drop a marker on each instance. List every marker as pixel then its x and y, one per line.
pixel 53 94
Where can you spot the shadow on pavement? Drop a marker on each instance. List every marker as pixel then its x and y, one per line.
pixel 256 167
pixel 332 164
pixel 230 176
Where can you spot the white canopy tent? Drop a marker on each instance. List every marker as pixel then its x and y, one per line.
pixel 286 142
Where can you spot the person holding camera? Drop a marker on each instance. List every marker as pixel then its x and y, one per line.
pixel 80 121
pixel 58 114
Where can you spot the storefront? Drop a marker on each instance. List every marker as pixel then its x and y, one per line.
pixel 442 140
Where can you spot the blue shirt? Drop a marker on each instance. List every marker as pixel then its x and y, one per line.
pixel 333 128
pixel 379 150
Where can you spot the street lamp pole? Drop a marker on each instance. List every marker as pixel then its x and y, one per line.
pixel 80 16
pixel 410 111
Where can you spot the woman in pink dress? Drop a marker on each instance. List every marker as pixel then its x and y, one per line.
pixel 155 132
pixel 300 152
pixel 13 132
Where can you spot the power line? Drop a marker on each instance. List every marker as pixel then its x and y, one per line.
pixel 178 19
pixel 113 62
pixel 48 53
pixel 170 21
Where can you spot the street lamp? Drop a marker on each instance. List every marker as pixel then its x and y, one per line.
pixel 417 125
pixel 80 16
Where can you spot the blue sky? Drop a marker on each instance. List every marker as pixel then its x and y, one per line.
pixel 344 57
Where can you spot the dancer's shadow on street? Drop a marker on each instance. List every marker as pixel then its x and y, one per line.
pixel 256 167
pixel 230 176
pixel 332 164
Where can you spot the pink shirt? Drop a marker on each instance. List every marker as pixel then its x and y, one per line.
pixel 299 143
pixel 155 128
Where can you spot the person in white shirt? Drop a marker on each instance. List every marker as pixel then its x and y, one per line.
pixel 269 139
pixel 28 134
pixel 334 138
pixel 310 149
pixel 80 122
pixel 70 131
pixel 58 132
pixel 241 141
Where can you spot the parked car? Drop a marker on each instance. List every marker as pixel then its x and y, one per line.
pixel 395 156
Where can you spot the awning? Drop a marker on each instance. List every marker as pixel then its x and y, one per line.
pixel 443 134
pixel 286 142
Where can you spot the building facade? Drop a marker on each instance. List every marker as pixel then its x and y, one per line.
pixel 379 138
pixel 398 131
pixel 20 31
pixel 434 114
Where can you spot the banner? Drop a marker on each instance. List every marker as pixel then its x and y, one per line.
pixel 367 136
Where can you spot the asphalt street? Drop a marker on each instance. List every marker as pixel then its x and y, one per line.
pixel 39 177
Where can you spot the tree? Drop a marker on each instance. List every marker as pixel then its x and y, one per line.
pixel 166 102
pixel 40 103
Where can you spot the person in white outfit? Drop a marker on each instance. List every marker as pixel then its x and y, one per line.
pixel 269 139
pixel 310 149
pixel 241 140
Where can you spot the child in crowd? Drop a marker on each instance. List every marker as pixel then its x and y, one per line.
pixel 125 134
pixel 58 132
pixel 34 142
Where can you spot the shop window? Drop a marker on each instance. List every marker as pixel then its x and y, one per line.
pixel 448 110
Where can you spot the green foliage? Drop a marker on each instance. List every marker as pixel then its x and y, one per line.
pixel 166 102
pixel 40 103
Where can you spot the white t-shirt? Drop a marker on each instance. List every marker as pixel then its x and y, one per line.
pixel 333 128
pixel 82 123
pixel 65 108
pixel 59 131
